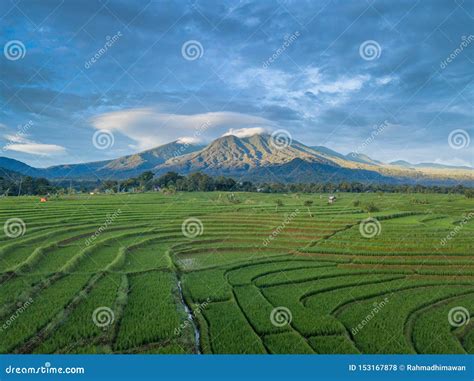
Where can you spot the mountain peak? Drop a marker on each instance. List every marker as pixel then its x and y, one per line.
pixel 255 155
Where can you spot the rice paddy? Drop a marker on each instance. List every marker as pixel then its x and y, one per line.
pixel 252 273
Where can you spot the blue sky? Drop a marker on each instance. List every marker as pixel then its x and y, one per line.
pixel 329 72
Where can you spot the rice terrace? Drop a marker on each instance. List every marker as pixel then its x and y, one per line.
pixel 222 272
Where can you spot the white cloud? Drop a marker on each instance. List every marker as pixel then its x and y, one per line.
pixel 16 138
pixel 308 91
pixel 343 85
pixel 384 80
pixel 150 128
pixel 246 132
pixel 36 148
pixel 188 140
pixel 20 143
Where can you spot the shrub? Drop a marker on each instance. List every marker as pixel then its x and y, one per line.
pixel 371 207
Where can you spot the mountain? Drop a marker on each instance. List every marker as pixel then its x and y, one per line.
pixel 361 158
pixel 19 167
pixel 121 168
pixel 256 158
pixel 302 171
pixel 328 152
pixel 9 175
pixel 406 164
pixel 232 154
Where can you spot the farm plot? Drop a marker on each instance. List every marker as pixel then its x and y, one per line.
pixel 261 273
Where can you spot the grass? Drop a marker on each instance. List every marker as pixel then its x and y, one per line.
pixel 317 264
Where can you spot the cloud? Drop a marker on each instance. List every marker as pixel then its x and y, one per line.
pixel 17 138
pixel 20 143
pixel 189 140
pixel 245 132
pixel 36 148
pixel 384 80
pixel 149 128
pixel 307 91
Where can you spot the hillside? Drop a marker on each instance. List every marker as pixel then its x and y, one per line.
pixel 254 158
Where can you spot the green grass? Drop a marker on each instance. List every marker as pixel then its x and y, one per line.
pixel 74 258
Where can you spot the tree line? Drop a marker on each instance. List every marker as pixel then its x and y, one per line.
pixel 200 182
pixel 25 186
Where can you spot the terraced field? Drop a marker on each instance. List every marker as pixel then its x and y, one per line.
pixel 243 273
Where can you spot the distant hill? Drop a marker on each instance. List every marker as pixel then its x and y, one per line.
pixel 120 168
pixel 254 158
pixel 18 167
pixel 406 164
pixel 361 158
pixel 9 175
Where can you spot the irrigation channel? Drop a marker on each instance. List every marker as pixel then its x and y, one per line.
pixel 189 312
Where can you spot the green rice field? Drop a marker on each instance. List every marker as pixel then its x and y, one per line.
pixel 237 273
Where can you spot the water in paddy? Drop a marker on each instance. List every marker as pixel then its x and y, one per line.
pixel 197 334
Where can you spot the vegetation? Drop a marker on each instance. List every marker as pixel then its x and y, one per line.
pixel 24 185
pixel 345 292
pixel 12 184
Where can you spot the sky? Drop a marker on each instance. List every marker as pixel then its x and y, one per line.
pixel 92 80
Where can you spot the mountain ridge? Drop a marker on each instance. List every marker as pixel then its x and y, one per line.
pixel 253 157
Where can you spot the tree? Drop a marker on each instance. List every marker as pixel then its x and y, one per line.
pixel 278 203
pixel 145 180
pixel 170 178
pixel 371 207
pixel 469 193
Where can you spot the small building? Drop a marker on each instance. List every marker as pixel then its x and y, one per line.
pixel 331 199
